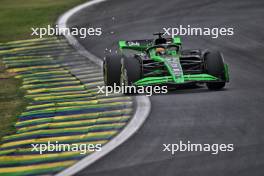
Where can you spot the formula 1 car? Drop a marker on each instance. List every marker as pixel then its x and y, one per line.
pixel 163 61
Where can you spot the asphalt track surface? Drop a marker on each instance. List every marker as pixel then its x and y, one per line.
pixel 234 115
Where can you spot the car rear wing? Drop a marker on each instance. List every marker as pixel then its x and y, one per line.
pixel 142 45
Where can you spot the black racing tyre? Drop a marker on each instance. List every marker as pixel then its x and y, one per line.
pixel 214 64
pixel 131 71
pixel 112 70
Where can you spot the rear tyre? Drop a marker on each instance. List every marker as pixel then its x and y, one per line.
pixel 112 70
pixel 215 66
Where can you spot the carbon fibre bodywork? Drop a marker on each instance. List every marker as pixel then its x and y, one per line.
pixel 174 66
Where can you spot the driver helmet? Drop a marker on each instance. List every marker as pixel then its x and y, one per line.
pixel 160 50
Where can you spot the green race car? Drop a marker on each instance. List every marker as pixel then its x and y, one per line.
pixel 163 61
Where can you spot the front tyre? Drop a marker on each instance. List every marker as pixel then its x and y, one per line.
pixel 214 64
pixel 112 70
pixel 130 71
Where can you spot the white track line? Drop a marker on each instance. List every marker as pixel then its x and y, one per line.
pixel 143 105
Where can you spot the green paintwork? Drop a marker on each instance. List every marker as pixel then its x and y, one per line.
pixel 176 40
pixel 169 79
pixel 158 58
pixel 226 73
pixel 124 45
pixel 171 58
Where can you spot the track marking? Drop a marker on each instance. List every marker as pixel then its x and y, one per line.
pixel 142 107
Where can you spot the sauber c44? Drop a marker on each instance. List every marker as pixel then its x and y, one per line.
pixel 162 61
